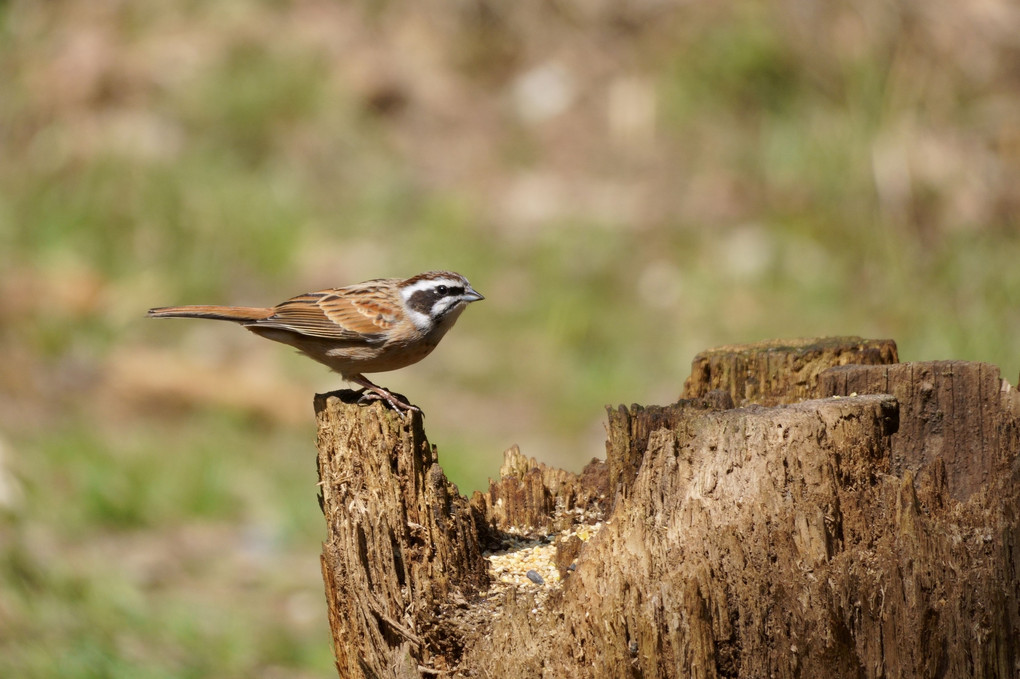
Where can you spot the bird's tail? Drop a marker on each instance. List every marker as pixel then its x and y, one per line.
pixel 237 314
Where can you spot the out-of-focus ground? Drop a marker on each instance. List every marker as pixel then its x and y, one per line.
pixel 627 184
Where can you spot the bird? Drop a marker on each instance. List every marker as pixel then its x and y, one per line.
pixel 375 326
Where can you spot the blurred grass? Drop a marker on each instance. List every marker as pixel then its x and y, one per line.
pixel 626 185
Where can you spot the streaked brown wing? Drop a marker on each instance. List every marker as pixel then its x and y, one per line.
pixel 346 314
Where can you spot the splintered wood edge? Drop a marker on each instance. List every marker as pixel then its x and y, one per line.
pixel 528 551
pixel 525 575
pixel 530 611
pixel 798 345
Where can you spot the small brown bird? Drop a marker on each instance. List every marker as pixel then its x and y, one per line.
pixel 376 326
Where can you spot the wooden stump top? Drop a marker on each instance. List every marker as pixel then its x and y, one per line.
pixel 779 371
pixel 861 521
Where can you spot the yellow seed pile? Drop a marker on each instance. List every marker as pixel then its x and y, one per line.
pixel 509 566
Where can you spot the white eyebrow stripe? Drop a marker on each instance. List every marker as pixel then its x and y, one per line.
pixel 429 285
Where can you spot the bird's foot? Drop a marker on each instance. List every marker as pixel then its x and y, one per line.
pixel 373 392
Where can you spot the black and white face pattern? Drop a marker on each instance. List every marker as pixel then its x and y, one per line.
pixel 429 297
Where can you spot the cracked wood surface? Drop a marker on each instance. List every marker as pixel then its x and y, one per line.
pixel 867 535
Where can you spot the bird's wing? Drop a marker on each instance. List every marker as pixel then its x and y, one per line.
pixel 364 314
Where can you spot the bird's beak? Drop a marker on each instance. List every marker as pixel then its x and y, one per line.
pixel 472 295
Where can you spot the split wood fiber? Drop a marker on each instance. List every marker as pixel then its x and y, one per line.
pixel 862 521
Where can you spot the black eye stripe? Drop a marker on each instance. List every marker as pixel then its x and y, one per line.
pixel 424 301
pixel 444 290
pixel 421 301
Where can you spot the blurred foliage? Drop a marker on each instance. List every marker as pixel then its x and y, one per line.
pixel 628 184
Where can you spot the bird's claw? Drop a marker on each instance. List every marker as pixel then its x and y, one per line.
pixel 370 395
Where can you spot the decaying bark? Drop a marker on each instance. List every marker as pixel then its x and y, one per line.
pixel 873 533
pixel 402 545
pixel 628 431
pixel 531 496
pixel 957 418
pixel 779 371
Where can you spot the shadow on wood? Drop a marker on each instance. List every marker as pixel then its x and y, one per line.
pixel 859 536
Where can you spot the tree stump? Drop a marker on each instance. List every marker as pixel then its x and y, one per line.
pixel 957 418
pixel 628 431
pixel 779 371
pixel 852 536
pixel 402 548
pixel 531 496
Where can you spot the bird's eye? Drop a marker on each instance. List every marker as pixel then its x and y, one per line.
pixel 442 289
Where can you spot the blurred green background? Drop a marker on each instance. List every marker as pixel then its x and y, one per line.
pixel 627 183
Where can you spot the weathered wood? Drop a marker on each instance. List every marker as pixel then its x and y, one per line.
pixel 775 542
pixel 954 417
pixel 779 371
pixel 627 433
pixel 720 497
pixel 402 551
pixel 800 540
pixel 531 496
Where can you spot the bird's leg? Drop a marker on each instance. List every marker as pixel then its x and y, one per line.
pixel 374 391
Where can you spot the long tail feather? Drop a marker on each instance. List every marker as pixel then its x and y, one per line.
pixel 237 314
